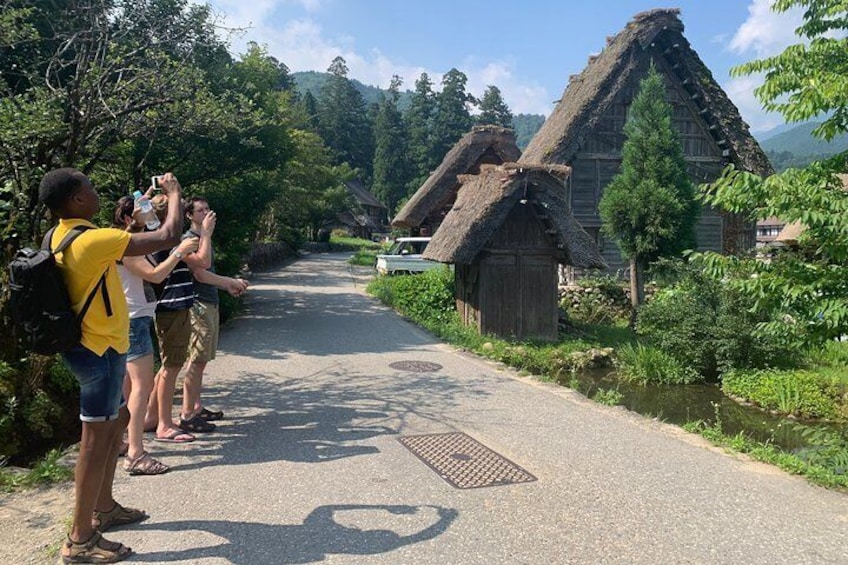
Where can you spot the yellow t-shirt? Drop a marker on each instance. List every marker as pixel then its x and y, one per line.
pixel 82 264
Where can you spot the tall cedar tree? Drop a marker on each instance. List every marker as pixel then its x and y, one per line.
pixel 804 288
pixel 452 119
pixel 493 109
pixel 649 208
pixel 391 159
pixel 419 122
pixel 343 120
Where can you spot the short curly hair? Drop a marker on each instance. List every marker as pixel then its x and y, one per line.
pixel 57 186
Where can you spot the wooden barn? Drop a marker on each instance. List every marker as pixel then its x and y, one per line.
pixel 483 145
pixel 506 234
pixel 585 130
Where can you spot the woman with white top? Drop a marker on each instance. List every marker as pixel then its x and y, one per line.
pixel 135 273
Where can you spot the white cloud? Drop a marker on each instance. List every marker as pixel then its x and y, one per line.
pixel 741 91
pixel 765 32
pixel 302 45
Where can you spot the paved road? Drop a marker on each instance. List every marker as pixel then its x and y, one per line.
pixel 309 468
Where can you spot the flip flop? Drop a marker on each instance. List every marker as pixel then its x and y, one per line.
pixel 175 436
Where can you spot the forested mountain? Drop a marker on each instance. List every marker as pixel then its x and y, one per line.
pixel 525 125
pixel 798 148
pixel 313 81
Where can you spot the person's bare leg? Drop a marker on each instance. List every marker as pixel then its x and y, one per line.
pixel 151 417
pixel 105 499
pixel 140 372
pixel 192 387
pixel 98 450
pixel 165 393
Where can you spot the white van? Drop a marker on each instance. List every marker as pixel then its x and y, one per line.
pixel 404 256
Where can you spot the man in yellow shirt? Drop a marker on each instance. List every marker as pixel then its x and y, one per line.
pixel 99 361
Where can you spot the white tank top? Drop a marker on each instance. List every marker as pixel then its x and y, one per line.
pixel 137 303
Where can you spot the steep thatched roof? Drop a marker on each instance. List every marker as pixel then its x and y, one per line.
pixel 486 144
pixel 484 203
pixel 362 195
pixel 588 95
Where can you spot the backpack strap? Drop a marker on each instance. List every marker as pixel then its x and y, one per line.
pixel 101 284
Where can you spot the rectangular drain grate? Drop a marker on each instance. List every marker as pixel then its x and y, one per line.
pixel 464 462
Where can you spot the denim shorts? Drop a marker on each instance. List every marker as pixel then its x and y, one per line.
pixel 101 380
pixel 141 343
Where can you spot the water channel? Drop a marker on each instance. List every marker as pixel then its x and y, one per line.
pixel 679 404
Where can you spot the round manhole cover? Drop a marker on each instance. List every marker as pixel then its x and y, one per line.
pixel 415 366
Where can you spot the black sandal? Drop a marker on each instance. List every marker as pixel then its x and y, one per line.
pixel 196 425
pixel 210 415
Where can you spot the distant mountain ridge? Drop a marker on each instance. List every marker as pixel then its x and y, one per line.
pixel 799 141
pixel 525 125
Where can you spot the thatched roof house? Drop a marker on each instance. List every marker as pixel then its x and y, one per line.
pixel 506 235
pixel 368 215
pixel 430 203
pixel 585 130
pixel 485 202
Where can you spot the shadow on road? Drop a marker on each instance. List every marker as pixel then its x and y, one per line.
pixel 368 530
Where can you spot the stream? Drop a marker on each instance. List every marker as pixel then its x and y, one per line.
pixel 679 404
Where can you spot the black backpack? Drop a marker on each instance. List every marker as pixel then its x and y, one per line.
pixel 39 299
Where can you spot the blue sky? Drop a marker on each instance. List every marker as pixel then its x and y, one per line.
pixel 527 49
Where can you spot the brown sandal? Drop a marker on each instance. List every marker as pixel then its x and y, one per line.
pixel 117 516
pixel 95 549
pixel 144 464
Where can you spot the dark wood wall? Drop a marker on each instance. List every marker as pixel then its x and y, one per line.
pixel 511 289
pixel 599 159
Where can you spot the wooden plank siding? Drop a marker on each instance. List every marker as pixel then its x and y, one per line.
pixel 511 289
pixel 598 160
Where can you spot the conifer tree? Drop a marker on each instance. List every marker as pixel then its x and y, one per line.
pixel 343 120
pixel 452 119
pixel 391 159
pixel 649 208
pixel 493 109
pixel 419 120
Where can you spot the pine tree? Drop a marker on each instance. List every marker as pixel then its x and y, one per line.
pixel 452 119
pixel 419 120
pixel 391 159
pixel 309 108
pixel 343 120
pixel 649 208
pixel 493 109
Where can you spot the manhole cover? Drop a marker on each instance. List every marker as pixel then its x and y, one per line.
pixel 415 366
pixel 464 462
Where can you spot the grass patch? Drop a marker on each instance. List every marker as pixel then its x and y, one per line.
pixel 428 300
pixel 47 471
pixel 817 471
pixel 809 393
pixel 644 364
pixel 353 244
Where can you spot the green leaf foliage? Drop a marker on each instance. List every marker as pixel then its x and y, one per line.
pixel 649 208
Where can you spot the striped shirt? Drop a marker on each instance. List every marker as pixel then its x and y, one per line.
pixel 177 289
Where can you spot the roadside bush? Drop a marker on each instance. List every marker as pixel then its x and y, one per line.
pixel 802 393
pixel 649 365
pixel 427 298
pixel 35 413
pixel 708 326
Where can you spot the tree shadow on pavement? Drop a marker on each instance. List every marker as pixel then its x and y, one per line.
pixel 374 529
pixel 320 418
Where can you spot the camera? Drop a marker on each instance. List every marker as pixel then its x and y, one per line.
pixel 154 182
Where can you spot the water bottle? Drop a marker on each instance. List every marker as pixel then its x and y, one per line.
pixel 151 220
